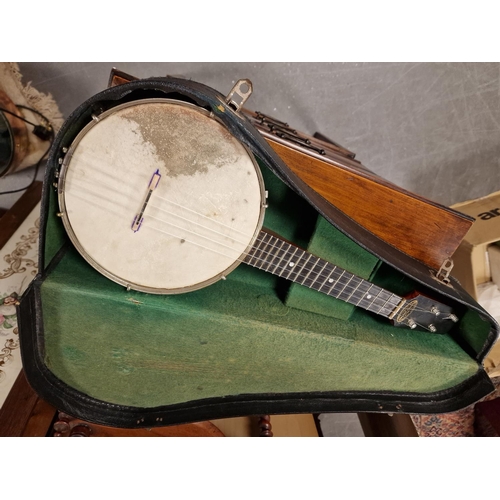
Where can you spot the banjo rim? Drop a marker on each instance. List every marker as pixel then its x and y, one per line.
pixel 113 277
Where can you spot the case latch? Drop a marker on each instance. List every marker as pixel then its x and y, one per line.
pixel 243 89
pixel 443 274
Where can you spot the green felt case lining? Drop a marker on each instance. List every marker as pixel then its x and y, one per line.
pixel 250 334
pixel 343 252
pixel 145 350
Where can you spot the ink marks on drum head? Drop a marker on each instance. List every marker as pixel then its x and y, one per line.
pixel 186 140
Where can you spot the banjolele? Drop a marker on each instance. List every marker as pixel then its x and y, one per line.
pixel 181 204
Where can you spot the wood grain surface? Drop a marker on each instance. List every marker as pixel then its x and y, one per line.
pixel 17 410
pixel 418 227
pixel 67 426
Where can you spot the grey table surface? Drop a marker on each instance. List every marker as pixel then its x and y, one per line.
pixel 431 128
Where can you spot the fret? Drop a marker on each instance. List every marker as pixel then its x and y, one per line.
pixel 383 306
pixel 305 269
pixel 396 300
pixel 360 294
pixel 344 288
pixel 357 286
pixel 379 303
pixel 259 252
pixel 327 279
pixel 255 249
pixel 268 254
pixel 289 261
pixel 319 273
pixel 264 252
pixel 250 253
pixel 332 288
pixel 322 279
pixel 287 252
pixel 390 306
pixel 383 298
pixel 368 295
pixel 373 301
pixel 279 254
pixel 299 266
pixel 334 281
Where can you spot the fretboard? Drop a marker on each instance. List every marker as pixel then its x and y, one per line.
pixel 274 255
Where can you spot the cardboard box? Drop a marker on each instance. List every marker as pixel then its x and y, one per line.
pixel 489 298
pixel 471 258
pixel 477 261
pixel 494 257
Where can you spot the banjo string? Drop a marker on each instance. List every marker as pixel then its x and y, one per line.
pixel 235 259
pixel 117 191
pixel 171 224
pixel 195 223
pixel 192 232
pixel 92 189
pixel 117 181
pixel 118 205
pixel 200 215
pixel 348 287
pixel 93 193
pixel 94 165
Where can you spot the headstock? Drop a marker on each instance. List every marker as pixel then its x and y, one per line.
pixel 422 313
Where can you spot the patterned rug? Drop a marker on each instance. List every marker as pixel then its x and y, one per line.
pixel 462 423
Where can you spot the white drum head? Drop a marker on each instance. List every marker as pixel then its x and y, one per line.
pixel 158 196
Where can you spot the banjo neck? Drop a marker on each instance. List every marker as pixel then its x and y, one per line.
pixel 276 256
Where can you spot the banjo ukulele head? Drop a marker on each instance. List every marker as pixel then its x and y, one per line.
pixel 158 196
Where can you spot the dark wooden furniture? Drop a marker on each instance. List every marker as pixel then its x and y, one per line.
pixel 24 414
pixel 67 426
pixel 487 418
